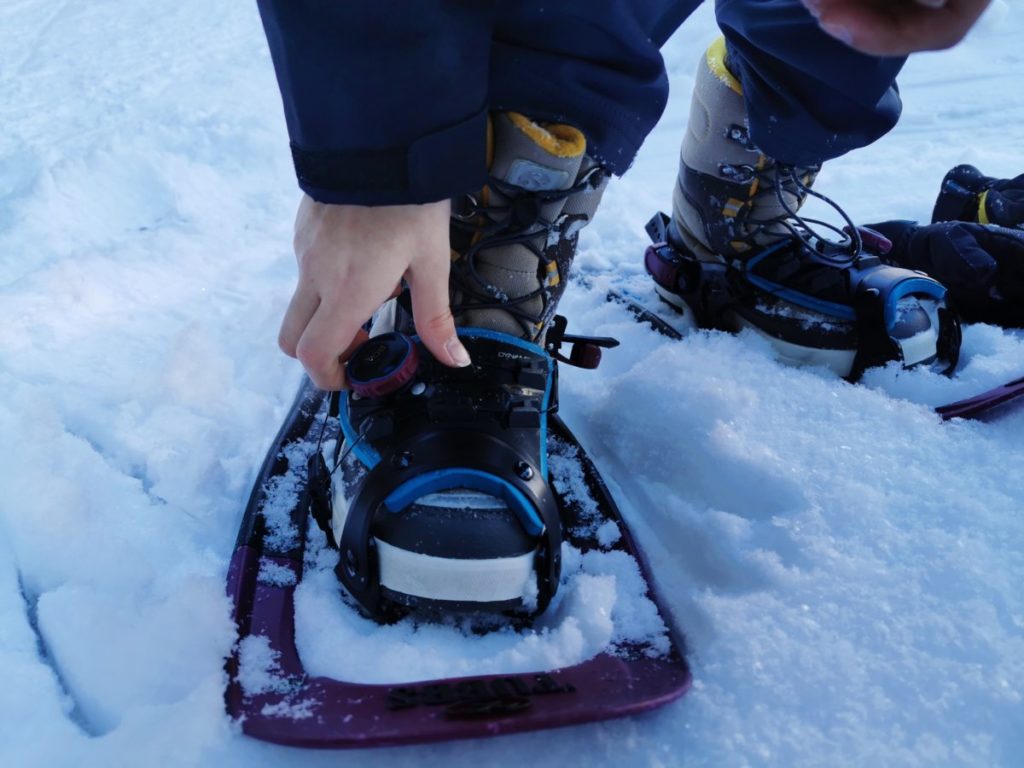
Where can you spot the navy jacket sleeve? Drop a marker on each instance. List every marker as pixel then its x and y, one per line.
pixel 809 97
pixel 386 102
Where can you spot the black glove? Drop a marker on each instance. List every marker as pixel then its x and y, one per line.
pixel 967 195
pixel 981 265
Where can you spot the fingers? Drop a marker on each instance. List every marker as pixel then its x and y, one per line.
pixel 428 288
pixel 350 259
pixel 897 27
pixel 329 339
pixel 300 311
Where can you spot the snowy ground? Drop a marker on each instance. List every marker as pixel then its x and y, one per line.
pixel 847 568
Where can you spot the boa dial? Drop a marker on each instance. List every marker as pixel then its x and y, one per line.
pixel 383 365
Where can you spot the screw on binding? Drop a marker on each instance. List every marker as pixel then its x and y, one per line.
pixel 524 470
pixel 351 564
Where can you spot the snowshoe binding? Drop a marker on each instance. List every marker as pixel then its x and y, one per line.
pixel 817 302
pixel 736 254
pixel 443 500
pixel 276 699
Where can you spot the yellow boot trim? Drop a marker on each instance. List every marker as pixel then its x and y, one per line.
pixel 716 63
pixel 552 276
pixel 982 213
pixel 554 138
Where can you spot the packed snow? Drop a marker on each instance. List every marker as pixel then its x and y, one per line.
pixel 846 567
pixel 600 606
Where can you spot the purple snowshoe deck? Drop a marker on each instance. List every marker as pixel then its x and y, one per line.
pixel 322 712
pixel 987 404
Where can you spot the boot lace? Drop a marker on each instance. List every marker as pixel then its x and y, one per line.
pixel 787 184
pixel 516 220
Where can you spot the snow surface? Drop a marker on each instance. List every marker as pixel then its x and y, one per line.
pixel 847 568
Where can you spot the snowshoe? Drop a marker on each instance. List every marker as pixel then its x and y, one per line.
pixel 410 430
pixel 815 300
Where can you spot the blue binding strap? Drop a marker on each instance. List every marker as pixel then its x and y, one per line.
pixel 458 477
pixel 923 286
pixel 912 285
pixel 841 311
pixel 367 455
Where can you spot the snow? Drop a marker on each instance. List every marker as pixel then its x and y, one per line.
pixel 847 567
pixel 600 606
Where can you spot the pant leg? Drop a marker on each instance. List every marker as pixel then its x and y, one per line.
pixel 809 97
pixel 594 64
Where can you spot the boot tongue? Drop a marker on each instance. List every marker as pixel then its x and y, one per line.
pixel 535 157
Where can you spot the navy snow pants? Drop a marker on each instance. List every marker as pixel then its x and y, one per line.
pixel 386 101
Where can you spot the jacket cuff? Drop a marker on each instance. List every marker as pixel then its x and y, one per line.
pixel 434 167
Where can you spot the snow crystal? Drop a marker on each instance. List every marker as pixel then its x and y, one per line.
pixel 281 497
pixel 303 709
pixel 259 670
pixel 568 479
pixel 608 534
pixel 275 574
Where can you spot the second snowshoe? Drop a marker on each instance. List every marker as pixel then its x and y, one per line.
pixel 737 255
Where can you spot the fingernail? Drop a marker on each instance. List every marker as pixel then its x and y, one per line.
pixel 457 352
pixel 932 3
pixel 838 31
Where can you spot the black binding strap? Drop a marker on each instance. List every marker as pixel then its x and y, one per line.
pixel 440 449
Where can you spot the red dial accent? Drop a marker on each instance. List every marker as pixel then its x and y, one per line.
pixel 383 365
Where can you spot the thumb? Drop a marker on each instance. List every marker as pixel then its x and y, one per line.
pixel 432 314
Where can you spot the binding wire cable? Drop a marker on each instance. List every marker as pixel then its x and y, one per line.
pixel 364 429
pixel 851 242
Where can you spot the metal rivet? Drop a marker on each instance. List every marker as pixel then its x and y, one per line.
pixel 418 388
pixel 524 470
pixel 402 460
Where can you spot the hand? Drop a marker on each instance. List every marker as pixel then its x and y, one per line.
pixel 351 260
pixel 897 27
